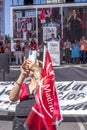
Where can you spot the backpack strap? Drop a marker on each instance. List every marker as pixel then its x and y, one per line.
pixel 27 89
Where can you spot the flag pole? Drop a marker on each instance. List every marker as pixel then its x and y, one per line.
pixel 44 54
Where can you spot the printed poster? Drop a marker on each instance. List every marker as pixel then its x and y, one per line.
pixel 54 50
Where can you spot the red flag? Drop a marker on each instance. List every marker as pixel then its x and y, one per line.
pixel 42 15
pixel 45 114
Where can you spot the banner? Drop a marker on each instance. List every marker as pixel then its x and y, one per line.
pixel 5 103
pixel 72 97
pixel 54 50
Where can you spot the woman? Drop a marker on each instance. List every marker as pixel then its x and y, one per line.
pixel 18 52
pixel 67 46
pixel 33 45
pixel 25 92
pixel 7 50
pixel 26 49
pixel 82 44
pixel 75 53
pixel 75 24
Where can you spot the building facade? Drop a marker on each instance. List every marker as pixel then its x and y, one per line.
pixel 54 1
pixel 27 2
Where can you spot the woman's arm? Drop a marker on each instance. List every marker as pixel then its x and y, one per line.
pixel 69 18
pixel 14 93
pixel 79 20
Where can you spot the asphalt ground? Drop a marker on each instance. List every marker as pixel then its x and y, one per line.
pixel 69 123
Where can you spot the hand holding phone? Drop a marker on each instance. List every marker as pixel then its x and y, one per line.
pixel 32 55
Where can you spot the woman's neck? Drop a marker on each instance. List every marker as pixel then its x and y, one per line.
pixel 33 85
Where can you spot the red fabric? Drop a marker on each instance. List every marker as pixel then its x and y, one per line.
pixel 33 46
pixel 42 15
pixel 23 48
pixel 27 20
pixel 46 110
pixel 24 93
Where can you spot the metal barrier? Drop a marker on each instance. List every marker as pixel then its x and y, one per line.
pixel 4 64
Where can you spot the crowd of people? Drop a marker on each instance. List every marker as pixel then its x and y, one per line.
pixel 20 50
pixel 71 52
pixel 76 51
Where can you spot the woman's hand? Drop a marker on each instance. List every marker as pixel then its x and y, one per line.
pixel 30 63
pixel 25 68
pixel 36 70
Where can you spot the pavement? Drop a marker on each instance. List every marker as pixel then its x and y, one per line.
pixel 5 122
pixel 5 125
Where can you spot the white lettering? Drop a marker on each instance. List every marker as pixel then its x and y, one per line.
pixel 49 97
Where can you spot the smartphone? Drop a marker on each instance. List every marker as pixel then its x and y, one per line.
pixel 32 55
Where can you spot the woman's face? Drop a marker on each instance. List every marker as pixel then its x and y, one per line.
pixel 35 71
pixel 32 40
pixel 31 73
pixel 74 13
pixel 83 37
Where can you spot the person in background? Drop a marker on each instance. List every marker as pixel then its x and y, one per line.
pixel 25 92
pixel 33 48
pixel 41 51
pixel 67 47
pixel 33 45
pixel 85 50
pixel 82 49
pixel 75 53
pixel 59 37
pixel 53 38
pixel 26 49
pixel 54 41
pixel 7 49
pixel 18 52
pixel 75 25
pixel 1 47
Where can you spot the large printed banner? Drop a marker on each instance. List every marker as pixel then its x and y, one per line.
pixel 72 97
pixel 5 103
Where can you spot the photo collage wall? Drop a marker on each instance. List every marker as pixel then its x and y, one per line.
pixel 40 23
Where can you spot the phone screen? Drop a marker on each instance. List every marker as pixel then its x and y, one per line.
pixel 32 55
